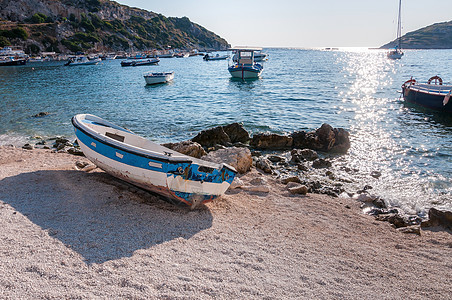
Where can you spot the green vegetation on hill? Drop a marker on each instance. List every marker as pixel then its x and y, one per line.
pixel 436 36
pixel 6 36
pixel 84 30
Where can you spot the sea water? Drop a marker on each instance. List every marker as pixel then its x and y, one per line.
pixel 356 89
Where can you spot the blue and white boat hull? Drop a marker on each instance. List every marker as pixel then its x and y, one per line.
pixel 246 72
pixel 123 154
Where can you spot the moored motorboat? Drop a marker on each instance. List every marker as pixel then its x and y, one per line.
pixel 165 55
pixel 123 154
pixel 245 67
pixel 208 57
pixel 161 77
pixel 82 61
pixel 11 61
pixel 432 95
pixel 140 62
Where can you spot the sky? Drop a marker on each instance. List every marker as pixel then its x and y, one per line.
pixel 303 23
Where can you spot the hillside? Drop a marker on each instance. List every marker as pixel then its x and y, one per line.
pixel 436 36
pixel 96 25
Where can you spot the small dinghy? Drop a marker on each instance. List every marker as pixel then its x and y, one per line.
pixel 123 154
pixel 155 78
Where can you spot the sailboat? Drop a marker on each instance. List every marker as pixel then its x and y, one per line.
pixel 397 53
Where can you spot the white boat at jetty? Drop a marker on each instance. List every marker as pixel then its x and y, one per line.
pixel 11 61
pixel 245 67
pixel 123 154
pixel 162 77
pixel 140 62
pixel 396 52
pixel 82 61
pixel 10 56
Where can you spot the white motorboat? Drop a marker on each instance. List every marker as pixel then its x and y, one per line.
pixel 180 178
pixel 155 78
pixel 245 67
pixel 82 61
pixel 140 62
pixel 215 57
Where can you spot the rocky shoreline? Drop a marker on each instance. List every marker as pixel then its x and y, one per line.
pixel 304 161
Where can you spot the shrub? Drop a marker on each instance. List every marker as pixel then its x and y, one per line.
pixel 15 33
pixel 96 21
pixel 38 18
pixel 73 47
pixel 85 37
pixel 4 41
pixel 20 33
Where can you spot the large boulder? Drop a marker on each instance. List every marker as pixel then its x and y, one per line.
pixel 239 158
pixel 236 133
pixel 222 135
pixel 342 140
pixel 326 138
pixel 300 155
pixel 305 140
pixel 211 137
pixel 189 148
pixel 271 141
pixel 264 164
pixel 438 217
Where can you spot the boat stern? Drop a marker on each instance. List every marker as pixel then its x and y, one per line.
pixel 198 184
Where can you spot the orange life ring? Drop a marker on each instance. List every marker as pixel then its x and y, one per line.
pixel 409 82
pixel 436 80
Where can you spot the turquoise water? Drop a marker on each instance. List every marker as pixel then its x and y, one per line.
pixel 300 89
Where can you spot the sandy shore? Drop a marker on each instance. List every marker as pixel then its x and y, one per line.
pixel 69 234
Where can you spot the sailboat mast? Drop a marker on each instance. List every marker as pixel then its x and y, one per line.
pixel 399 25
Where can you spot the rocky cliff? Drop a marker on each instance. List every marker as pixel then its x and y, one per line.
pixel 96 25
pixel 436 36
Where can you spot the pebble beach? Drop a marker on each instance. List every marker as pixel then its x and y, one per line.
pixel 82 234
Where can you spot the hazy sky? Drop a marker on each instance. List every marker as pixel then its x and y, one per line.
pixel 303 23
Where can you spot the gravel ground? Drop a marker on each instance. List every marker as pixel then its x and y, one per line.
pixel 71 234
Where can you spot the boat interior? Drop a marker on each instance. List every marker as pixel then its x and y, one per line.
pixel 432 88
pixel 135 143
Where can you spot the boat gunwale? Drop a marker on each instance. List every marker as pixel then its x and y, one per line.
pixel 158 74
pixel 439 90
pixel 138 151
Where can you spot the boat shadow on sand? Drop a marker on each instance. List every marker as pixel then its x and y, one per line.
pixel 97 215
